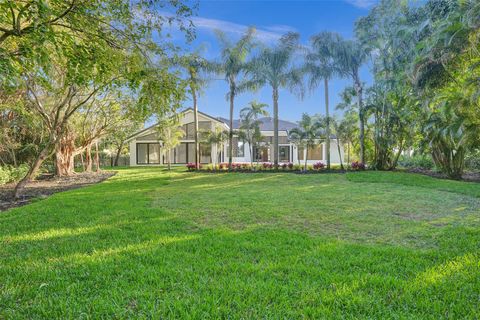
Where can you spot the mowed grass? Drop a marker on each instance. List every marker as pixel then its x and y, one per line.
pixel 149 243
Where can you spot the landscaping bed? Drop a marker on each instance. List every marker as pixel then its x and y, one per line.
pixel 46 185
pixel 318 167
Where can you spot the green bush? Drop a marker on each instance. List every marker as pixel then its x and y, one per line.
pixel 472 160
pixel 12 174
pixel 416 161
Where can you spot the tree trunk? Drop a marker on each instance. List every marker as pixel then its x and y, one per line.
pixel 306 158
pixel 88 158
pixel 169 159
pixel 348 154
pixel 64 156
pixel 327 114
pixel 97 157
pixel 359 91
pixel 275 128
pixel 230 133
pixel 117 156
pixel 195 124
pixel 340 153
pixel 32 171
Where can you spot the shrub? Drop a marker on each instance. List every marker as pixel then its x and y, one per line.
pixel 191 166
pixel 416 161
pixel 267 165
pixel 318 165
pixel 12 174
pixel 472 160
pixel 245 166
pixel 357 166
pixel 297 167
pixel 290 165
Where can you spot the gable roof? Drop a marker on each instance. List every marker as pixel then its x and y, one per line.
pixel 266 124
pixel 136 134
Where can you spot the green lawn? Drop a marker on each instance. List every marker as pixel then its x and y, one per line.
pixel 152 244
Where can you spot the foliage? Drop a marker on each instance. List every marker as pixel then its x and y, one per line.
pixel 233 64
pixel 249 130
pixel 307 134
pixel 169 134
pixel 12 174
pixel 425 62
pixel 217 138
pixel 274 67
pixel 472 160
pixel 357 166
pixel 417 161
pixel 318 165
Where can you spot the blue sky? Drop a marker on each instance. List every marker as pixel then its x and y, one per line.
pixel 272 19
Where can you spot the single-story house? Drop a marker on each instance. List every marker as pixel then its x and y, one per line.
pixel 146 149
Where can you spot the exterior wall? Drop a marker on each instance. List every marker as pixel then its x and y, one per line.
pixel 149 137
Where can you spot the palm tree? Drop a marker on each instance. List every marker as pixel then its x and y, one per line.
pixel 321 67
pixel 250 124
pixel 194 65
pixel 232 65
pixel 307 134
pixel 349 56
pixel 273 66
pixel 217 138
pixel 169 134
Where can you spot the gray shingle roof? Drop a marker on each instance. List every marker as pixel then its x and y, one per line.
pixel 266 124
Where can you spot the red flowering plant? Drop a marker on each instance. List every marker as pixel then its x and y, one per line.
pixel 358 166
pixel 290 165
pixel 267 165
pixel 283 166
pixel 191 166
pixel 318 166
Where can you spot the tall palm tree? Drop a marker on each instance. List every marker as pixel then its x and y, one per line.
pixel 232 65
pixel 348 57
pixel 306 134
pixel 273 66
pixel 195 66
pixel 320 67
pixel 250 124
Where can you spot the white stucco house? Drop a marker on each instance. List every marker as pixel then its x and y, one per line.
pixel 145 149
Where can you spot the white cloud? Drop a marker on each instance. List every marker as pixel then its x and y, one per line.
pixel 362 3
pixel 266 34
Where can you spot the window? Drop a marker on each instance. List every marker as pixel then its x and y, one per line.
pixel 284 153
pixel 314 153
pixel 205 153
pixel 191 152
pixel 148 153
pixel 238 148
pixel 261 154
pixel 181 153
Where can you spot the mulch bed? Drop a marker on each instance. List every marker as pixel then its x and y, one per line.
pixel 46 185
